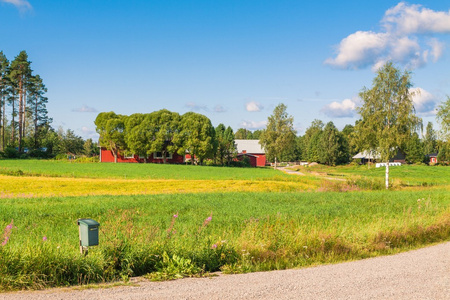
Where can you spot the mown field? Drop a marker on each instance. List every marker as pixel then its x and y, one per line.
pixel 215 219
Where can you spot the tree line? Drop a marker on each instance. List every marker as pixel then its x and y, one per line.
pixel 25 127
pixel 22 95
pixel 387 123
pixel 169 132
pixel 166 132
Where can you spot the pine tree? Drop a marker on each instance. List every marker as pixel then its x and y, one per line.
pixel 4 65
pixel 37 103
pixel 20 74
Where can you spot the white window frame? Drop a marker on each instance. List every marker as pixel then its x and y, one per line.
pixel 169 155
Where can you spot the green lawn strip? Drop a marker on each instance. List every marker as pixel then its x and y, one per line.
pixel 35 167
pixel 247 232
pixel 405 175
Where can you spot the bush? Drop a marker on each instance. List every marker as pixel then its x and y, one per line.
pixel 60 156
pixel 38 153
pixel 11 152
pixel 85 159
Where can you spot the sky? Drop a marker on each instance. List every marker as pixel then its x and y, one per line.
pixel 233 61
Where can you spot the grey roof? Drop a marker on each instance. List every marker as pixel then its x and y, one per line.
pixel 367 155
pixel 249 146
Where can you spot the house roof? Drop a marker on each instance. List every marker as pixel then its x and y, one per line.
pixel 249 146
pixel 367 155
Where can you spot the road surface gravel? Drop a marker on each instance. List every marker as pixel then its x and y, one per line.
pixel 419 274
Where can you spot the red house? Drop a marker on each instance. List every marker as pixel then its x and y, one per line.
pixel 433 158
pixel 253 150
pixel 107 156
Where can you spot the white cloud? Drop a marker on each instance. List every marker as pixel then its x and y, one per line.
pixel 344 109
pixel 410 19
pixel 196 107
pixel 219 108
pixel 20 4
pixel 88 133
pixel 404 39
pixel 253 106
pixel 85 108
pixel 437 48
pixel 424 101
pixel 253 125
pixel 359 49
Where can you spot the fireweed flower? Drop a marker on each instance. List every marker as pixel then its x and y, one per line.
pixel 7 233
pixel 207 220
pixel 205 223
pixel 170 230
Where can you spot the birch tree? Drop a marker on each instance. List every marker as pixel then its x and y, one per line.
pixel 387 114
pixel 278 139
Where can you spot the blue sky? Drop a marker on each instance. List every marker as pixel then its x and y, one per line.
pixel 232 61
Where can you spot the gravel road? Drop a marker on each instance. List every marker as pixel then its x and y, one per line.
pixel 418 274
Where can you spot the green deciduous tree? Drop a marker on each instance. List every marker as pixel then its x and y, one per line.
pixel 310 141
pixel 111 128
pixel 333 148
pixel 137 134
pixel 278 139
pixel 243 134
pixel 165 134
pixel 387 114
pixel 414 149
pixel 430 140
pixel 224 144
pixel 443 117
pixel 197 136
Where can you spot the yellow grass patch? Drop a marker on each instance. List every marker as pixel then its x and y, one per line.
pixel 12 186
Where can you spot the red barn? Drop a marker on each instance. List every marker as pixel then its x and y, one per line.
pixel 433 158
pixel 253 150
pixel 107 156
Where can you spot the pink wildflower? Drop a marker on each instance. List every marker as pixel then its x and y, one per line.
pixel 214 246
pixel 44 238
pixel 205 223
pixel 7 233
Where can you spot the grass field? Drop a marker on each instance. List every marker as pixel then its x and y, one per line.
pixel 405 175
pixel 181 226
pixel 55 168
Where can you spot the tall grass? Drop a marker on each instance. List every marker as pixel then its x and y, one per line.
pixel 171 236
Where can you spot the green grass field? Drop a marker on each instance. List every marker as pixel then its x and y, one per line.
pixel 405 175
pixel 134 171
pixel 248 231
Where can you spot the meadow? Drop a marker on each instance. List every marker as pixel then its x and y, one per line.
pixel 265 221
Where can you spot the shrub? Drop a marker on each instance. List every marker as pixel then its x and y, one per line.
pixel 11 152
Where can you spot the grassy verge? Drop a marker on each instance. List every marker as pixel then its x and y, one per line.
pixel 169 236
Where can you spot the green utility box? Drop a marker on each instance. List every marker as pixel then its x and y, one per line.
pixel 88 229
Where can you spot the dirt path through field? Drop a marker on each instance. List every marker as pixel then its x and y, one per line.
pixel 418 274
